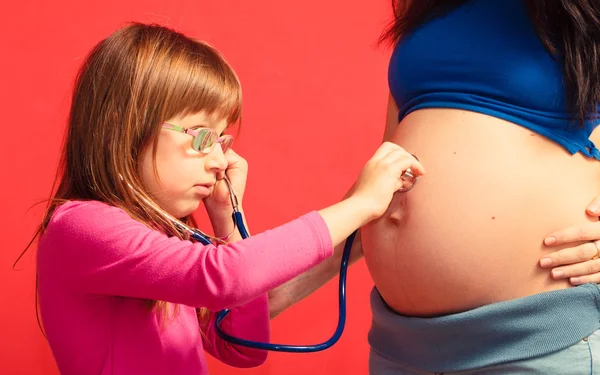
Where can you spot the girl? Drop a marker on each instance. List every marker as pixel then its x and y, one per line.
pixel 122 290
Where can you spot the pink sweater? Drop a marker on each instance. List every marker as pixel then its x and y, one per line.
pixel 97 267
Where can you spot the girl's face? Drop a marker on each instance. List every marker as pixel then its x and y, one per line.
pixel 184 176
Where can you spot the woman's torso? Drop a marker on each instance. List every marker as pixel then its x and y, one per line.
pixel 470 232
pixel 476 90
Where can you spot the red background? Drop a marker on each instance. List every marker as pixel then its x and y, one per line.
pixel 315 92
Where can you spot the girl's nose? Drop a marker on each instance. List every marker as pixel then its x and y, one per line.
pixel 216 159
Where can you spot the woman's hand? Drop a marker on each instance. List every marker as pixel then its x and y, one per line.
pixel 579 262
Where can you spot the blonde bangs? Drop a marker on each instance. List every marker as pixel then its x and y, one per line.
pixel 201 80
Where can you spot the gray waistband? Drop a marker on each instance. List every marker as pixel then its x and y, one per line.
pixel 501 332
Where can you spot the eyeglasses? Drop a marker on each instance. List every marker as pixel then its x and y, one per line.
pixel 204 139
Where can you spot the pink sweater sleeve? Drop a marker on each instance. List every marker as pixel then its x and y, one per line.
pixel 100 249
pixel 249 322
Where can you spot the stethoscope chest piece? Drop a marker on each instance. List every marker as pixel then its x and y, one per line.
pixel 409 179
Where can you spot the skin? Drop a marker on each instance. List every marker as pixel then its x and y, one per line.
pixel 454 243
pixel 185 176
pixel 575 261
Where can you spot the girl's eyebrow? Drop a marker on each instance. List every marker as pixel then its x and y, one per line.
pixel 199 126
pixel 207 127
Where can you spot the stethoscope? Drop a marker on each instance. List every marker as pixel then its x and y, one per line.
pixel 238 221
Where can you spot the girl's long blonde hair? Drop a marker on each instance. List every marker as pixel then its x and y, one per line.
pixel 128 86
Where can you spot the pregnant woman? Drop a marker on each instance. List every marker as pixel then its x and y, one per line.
pixel 497 99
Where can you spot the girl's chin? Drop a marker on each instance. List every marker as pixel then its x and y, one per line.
pixel 185 209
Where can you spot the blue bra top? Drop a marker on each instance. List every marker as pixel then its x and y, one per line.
pixel 485 56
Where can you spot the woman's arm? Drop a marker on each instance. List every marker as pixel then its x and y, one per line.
pixel 305 284
pixel 391 119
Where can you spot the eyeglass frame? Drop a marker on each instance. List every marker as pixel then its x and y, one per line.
pixel 195 132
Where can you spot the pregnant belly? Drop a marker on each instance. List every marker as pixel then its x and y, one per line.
pixel 471 231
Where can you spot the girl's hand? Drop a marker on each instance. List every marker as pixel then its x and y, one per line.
pixel 237 172
pixel 381 178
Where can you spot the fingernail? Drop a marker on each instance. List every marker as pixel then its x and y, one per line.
pixel 575 280
pixel 549 240
pixel 544 262
pixel 595 208
pixel 557 274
